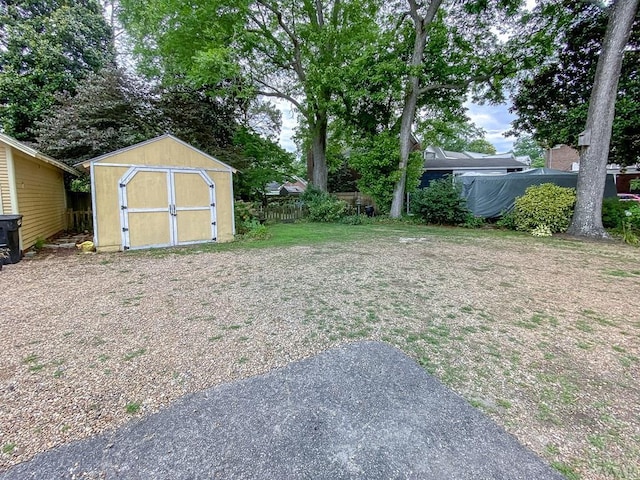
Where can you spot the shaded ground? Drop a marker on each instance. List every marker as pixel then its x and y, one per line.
pixel 543 335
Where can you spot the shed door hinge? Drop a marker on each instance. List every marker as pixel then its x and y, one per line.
pixel 123 207
pixel 213 223
pixel 122 185
pixel 125 229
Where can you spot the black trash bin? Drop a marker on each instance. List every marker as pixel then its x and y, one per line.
pixel 10 237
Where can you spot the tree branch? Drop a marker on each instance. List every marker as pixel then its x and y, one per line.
pixel 274 92
pixel 319 13
pixel 294 40
pixel 453 86
pixel 434 5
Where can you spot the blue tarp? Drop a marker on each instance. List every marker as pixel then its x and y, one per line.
pixel 489 196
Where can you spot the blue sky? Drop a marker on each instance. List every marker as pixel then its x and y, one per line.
pixel 494 119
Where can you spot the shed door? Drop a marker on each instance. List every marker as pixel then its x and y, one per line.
pixel 193 207
pixel 163 207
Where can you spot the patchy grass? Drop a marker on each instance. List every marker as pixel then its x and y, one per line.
pixel 133 407
pixel 534 332
pixel 135 353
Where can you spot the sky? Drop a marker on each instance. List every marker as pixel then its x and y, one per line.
pixel 494 119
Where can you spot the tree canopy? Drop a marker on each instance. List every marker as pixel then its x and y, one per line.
pixel 287 49
pixel 552 105
pixel 46 47
pixel 527 145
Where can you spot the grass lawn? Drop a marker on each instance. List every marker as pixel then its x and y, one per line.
pixel 541 334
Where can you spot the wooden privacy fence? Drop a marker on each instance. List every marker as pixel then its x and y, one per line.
pixel 79 220
pixel 281 213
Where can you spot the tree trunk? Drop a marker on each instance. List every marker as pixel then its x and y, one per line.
pixel 408 116
pixel 587 217
pixel 319 150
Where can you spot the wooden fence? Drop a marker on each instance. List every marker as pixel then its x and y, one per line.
pixel 79 220
pixel 285 213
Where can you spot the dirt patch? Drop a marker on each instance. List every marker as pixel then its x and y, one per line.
pixel 542 335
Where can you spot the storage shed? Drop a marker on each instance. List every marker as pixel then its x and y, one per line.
pixel 159 193
pixel 32 185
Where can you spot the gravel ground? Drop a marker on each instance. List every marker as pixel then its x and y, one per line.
pixel 543 336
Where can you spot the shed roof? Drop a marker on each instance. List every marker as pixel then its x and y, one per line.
pixel 87 163
pixel 12 142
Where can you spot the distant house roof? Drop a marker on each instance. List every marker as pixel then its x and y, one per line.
pixel 436 158
pixel 296 187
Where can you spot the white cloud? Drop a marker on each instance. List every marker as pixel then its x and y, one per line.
pixel 495 120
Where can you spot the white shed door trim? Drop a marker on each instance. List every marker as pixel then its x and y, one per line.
pixel 171 209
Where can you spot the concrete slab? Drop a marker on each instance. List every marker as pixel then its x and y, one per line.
pixel 363 411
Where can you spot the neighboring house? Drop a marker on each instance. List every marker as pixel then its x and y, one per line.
pixel 294 188
pixel 567 159
pixel 32 185
pixel 159 193
pixel 439 162
pixel 563 158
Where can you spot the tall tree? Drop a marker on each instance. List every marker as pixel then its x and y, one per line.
pixel 46 47
pixel 527 145
pixel 481 145
pixel 283 48
pixel 110 110
pixel 475 59
pixel 587 217
pixel 552 104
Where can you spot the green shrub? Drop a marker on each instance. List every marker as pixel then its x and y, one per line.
pixel 545 205
pixel 246 217
pixel 39 245
pixel 256 231
pixel 354 220
pixel 507 221
pixel 613 213
pixel 632 214
pixel 471 221
pixel 322 206
pixel 440 203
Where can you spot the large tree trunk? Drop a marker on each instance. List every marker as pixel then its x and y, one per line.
pixel 408 115
pixel 319 150
pixel 587 217
pixel 411 98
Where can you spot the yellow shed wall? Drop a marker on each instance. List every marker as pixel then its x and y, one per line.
pixel 165 152
pixel 41 198
pixel 107 207
pixel 5 198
